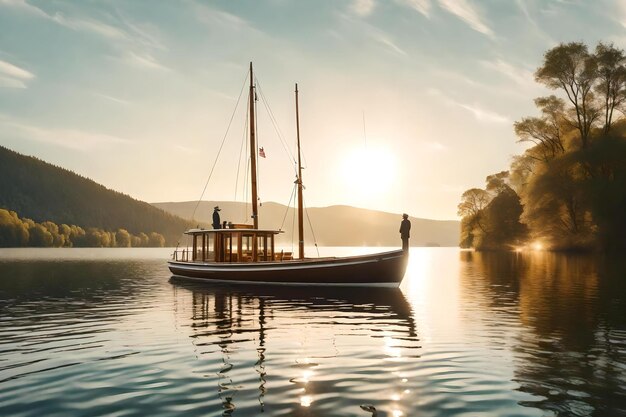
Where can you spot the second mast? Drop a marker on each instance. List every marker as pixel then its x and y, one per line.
pixel 253 151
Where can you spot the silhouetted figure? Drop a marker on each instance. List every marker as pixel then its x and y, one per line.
pixel 405 228
pixel 216 217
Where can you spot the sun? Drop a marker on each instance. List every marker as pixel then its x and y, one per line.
pixel 369 172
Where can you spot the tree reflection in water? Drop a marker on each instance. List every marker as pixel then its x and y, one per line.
pixel 567 315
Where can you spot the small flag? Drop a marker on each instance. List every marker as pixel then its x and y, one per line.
pixel 261 153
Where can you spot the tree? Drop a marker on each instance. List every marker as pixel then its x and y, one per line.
pixel 97 238
pixel 13 232
pixel 496 183
pixel 157 240
pixel 122 238
pixel 473 201
pixel 144 240
pixel 545 132
pixel 66 232
pixel 572 69
pixel 78 236
pixel 58 240
pixel 502 218
pixel 606 189
pixel 555 205
pixel 491 217
pixel 40 236
pixel 611 75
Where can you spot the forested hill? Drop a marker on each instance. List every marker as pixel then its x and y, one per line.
pixel 44 192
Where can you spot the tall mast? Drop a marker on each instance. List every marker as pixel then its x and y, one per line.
pixel 253 151
pixel 299 181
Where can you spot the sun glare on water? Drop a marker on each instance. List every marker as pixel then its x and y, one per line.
pixel 369 172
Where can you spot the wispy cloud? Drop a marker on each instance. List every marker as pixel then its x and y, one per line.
pixel 480 113
pixel 373 33
pixel 519 75
pixel 23 6
pixel 144 61
pixel 384 39
pixel 484 115
pixel 142 33
pixel 67 138
pixel 534 28
pixel 362 7
pixel 421 6
pixel 12 76
pixel 90 25
pixel 113 99
pixel 466 12
pixel 220 18
pixel 129 36
pixel 70 22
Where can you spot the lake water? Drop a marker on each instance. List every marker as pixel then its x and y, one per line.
pixel 105 332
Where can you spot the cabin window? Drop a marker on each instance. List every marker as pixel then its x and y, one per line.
pixel 208 252
pixel 262 245
pixel 232 248
pixel 246 247
pixel 226 245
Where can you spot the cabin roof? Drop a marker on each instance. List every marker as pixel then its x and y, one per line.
pixel 228 231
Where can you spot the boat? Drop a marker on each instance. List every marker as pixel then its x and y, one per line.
pixel 246 254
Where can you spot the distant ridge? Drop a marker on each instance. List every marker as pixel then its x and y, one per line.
pixel 41 191
pixel 333 226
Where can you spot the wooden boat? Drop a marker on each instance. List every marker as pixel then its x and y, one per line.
pixel 245 254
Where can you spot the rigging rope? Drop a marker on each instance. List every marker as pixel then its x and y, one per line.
pixel 283 142
pixel 293 192
pixel 311 227
pixel 243 142
pixel 220 149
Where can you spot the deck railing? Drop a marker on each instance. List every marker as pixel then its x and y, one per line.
pixel 186 255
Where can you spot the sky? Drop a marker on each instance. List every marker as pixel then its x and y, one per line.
pixel 404 104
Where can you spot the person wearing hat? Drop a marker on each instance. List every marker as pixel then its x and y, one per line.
pixel 216 217
pixel 405 227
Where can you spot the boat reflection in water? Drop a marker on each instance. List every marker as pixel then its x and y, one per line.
pixel 301 351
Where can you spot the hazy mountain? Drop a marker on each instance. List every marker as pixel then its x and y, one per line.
pixel 332 226
pixel 44 192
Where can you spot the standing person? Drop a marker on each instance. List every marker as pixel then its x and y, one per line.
pixel 216 217
pixel 405 227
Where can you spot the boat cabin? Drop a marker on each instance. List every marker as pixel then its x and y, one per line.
pixel 238 244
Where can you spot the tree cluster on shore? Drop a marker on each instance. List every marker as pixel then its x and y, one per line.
pixel 22 232
pixel 567 191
